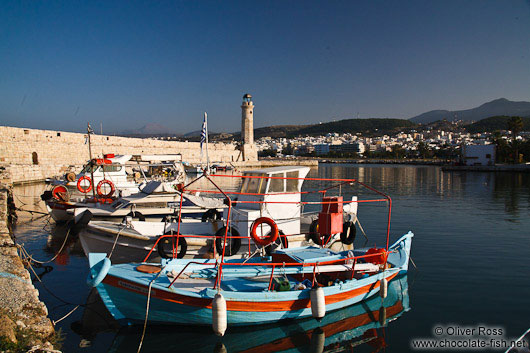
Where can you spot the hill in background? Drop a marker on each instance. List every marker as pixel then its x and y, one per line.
pixel 367 127
pixel 497 107
pixel 494 123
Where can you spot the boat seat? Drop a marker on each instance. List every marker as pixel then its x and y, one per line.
pixel 305 254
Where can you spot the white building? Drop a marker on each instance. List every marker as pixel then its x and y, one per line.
pixel 478 154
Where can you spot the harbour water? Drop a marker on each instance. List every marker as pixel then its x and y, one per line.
pixel 472 235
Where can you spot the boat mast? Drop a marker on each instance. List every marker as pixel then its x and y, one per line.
pixel 89 132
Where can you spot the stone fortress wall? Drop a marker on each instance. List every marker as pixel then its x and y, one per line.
pixel 33 155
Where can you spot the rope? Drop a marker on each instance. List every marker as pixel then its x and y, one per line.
pixel 54 322
pixel 115 241
pixel 21 246
pixel 147 309
pixel 412 262
pixel 31 211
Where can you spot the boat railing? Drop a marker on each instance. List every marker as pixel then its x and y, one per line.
pixel 350 260
pixel 232 202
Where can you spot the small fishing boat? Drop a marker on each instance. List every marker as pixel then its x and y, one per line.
pixel 288 283
pixel 179 287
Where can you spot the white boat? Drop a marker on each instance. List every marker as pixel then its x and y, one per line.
pixel 155 201
pixel 273 193
pixel 136 239
pixel 123 174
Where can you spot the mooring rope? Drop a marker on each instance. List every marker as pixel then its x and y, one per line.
pixel 115 241
pixel 23 249
pixel 147 308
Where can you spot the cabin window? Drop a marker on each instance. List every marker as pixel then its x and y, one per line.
pixel 254 185
pixel 292 184
pixel 276 185
pixel 111 168
pixel 35 158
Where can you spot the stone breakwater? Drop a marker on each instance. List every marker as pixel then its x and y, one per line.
pixel 23 317
pixel 34 155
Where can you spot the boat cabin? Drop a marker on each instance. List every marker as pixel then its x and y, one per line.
pixel 273 193
pixel 113 167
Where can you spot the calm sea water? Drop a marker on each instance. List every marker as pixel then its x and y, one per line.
pixel 471 247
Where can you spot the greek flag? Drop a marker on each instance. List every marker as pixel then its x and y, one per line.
pixel 204 131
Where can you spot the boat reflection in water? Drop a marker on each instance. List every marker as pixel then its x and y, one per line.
pixel 360 324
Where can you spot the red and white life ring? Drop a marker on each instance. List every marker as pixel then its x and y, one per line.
pixel 81 188
pixel 270 237
pixel 100 186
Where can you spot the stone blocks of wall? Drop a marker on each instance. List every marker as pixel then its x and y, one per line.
pixel 32 154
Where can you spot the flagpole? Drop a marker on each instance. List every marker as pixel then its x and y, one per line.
pixel 91 163
pixel 207 157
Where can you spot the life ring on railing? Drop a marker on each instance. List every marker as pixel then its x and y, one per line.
pixel 81 188
pixel 165 247
pixel 270 237
pixel 315 236
pixel 60 193
pixel 281 241
pixel 98 272
pixel 347 237
pixel 100 187
pixel 234 243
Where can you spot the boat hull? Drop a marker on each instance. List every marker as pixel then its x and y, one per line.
pixel 169 308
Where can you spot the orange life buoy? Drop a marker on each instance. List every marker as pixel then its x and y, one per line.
pixel 269 238
pixel 100 185
pixel 81 188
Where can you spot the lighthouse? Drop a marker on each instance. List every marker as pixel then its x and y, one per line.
pixel 248 149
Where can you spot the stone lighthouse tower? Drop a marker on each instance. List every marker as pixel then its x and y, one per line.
pixel 248 149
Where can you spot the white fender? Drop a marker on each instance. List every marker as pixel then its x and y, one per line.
pixel 318 302
pixel 219 321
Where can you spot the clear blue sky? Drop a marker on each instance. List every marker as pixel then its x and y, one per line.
pixel 129 63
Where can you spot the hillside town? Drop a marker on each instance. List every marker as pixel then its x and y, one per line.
pixel 428 143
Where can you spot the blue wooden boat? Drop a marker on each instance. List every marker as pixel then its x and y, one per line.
pixel 245 286
pixel 361 324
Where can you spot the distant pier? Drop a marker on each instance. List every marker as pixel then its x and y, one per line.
pixel 521 168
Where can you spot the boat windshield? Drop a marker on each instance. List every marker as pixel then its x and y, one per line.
pixel 254 185
pixel 119 203
pixel 86 168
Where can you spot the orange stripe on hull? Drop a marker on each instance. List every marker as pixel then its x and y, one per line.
pixel 250 306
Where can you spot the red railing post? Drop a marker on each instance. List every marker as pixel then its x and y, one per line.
pixel 270 281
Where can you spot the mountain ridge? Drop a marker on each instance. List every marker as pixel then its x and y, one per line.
pixel 496 107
